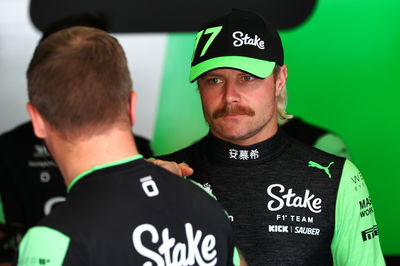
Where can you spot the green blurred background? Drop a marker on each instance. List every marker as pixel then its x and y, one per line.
pixel 343 76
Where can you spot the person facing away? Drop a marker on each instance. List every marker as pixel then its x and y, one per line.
pixel 30 183
pixel 120 209
pixel 289 203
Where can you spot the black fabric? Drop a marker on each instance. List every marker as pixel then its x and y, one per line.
pixel 302 131
pixel 248 23
pixel 10 236
pixel 104 208
pixel 392 260
pixel 143 146
pixel 29 176
pixel 30 183
pixel 167 16
pixel 281 165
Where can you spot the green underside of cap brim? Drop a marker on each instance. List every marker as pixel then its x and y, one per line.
pixel 256 67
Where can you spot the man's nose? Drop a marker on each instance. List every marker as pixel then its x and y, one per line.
pixel 231 93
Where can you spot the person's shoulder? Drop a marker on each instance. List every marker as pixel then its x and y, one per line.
pixel 19 133
pixel 305 132
pixel 299 149
pixel 60 220
pixel 187 188
pixel 316 136
pixel 20 143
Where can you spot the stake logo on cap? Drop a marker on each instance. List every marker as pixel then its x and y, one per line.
pixel 241 40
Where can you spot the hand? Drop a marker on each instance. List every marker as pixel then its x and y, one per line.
pixel 181 169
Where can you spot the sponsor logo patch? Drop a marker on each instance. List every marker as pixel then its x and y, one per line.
pixel 325 168
pixel 303 230
pixel 285 200
pixel 199 249
pixel 243 155
pixel 358 181
pixel 366 208
pixel 149 186
pixel 33 261
pixel 241 39
pixel 289 199
pixel 370 233
pixel 40 151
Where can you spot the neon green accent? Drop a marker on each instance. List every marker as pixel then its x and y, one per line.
pixel 332 83
pixel 2 215
pixel 198 36
pixel 207 191
pixel 236 257
pixel 180 118
pixel 203 188
pixel 333 145
pixel 317 165
pixel 256 67
pixel 43 246
pixel 348 247
pixel 98 167
pixel 214 31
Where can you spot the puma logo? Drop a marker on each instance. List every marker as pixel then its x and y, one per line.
pixel 317 165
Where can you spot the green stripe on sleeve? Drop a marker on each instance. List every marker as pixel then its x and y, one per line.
pixel 236 257
pixel 43 246
pixel 99 167
pixel 203 188
pixel 2 215
pixel 356 237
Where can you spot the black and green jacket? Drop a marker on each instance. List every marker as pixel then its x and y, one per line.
pixel 131 212
pixel 290 204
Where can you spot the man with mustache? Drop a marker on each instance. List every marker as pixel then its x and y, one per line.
pixel 290 204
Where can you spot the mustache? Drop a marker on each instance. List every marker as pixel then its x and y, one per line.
pixel 233 109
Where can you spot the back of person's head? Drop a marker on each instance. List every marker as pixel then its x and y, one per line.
pixel 78 80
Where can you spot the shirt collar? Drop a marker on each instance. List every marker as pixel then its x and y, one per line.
pixel 225 152
pixel 98 167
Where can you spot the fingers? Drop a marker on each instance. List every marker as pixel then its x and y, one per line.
pixel 182 169
pixel 185 169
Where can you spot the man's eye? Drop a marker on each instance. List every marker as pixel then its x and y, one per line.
pixel 214 80
pixel 248 78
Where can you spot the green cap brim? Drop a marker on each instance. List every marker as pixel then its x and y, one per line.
pixel 256 67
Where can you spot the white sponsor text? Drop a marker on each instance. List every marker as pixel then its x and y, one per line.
pixel 197 251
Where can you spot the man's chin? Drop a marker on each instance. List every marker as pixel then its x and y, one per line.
pixel 230 135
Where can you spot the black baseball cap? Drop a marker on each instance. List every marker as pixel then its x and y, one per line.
pixel 241 40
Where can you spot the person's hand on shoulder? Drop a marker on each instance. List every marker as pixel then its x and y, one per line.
pixel 181 169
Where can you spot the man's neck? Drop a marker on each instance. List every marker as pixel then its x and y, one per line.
pixel 78 156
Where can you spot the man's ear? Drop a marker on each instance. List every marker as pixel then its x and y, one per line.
pixel 281 80
pixel 132 107
pixel 39 126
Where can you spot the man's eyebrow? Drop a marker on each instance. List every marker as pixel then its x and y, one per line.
pixel 212 75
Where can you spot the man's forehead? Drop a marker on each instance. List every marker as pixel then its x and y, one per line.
pixel 225 71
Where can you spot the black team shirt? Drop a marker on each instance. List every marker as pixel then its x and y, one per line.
pixel 131 212
pixel 290 204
